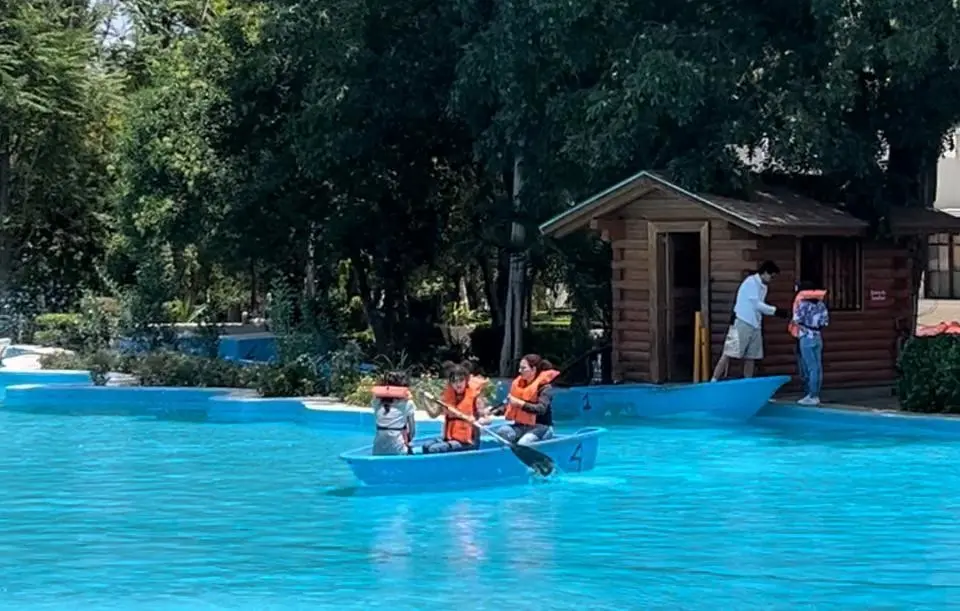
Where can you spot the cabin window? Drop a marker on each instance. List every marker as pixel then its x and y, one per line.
pixel 837 266
pixel 942 280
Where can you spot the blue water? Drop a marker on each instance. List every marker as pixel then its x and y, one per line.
pixel 115 513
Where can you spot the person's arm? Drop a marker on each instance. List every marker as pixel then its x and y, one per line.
pixel 481 406
pixel 412 419
pixel 754 299
pixel 826 317
pixel 542 405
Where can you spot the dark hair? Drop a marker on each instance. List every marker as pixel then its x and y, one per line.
pixel 807 285
pixel 537 362
pixel 471 366
pixel 768 267
pixel 456 372
pixel 395 378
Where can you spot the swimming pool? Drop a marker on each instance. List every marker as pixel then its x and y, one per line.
pixel 117 513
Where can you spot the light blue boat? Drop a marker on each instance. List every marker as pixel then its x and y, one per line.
pixel 729 400
pixel 492 464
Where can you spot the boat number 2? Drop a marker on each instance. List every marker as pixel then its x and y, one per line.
pixel 576 457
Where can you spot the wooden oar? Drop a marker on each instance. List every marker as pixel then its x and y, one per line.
pixel 542 464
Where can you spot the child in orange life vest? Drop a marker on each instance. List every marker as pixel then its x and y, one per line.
pixel 466 397
pixel 394 415
pixel 528 405
pixel 810 317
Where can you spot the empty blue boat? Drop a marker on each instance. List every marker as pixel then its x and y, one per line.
pixel 492 464
pixel 730 400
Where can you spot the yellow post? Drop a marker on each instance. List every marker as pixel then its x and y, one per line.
pixel 705 352
pixel 697 349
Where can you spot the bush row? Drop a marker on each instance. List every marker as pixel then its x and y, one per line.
pixel 297 378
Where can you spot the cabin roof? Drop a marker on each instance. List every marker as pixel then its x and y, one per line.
pixel 912 221
pixel 772 212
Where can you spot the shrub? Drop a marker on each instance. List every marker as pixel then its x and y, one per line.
pixel 59 329
pixel 362 393
pixel 342 370
pixel 63 361
pixel 929 374
pixel 291 379
pixel 167 368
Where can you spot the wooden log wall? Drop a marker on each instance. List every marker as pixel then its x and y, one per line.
pixel 631 301
pixel 860 347
pixel 631 273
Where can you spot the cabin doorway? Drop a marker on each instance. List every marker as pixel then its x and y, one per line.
pixel 682 283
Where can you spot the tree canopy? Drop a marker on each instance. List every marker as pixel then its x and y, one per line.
pixel 376 153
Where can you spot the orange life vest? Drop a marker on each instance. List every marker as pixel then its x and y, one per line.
pixel 391 392
pixel 478 383
pixel 454 427
pixel 793 327
pixel 527 392
pixel 401 393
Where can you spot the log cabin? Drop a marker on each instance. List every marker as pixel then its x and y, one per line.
pixel 676 252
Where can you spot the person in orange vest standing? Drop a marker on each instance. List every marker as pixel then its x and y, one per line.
pixel 458 432
pixel 810 317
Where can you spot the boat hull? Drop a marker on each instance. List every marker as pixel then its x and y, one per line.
pixel 729 400
pixel 492 464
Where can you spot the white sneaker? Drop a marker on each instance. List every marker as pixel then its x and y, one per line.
pixel 808 400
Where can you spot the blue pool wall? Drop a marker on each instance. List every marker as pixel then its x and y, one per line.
pixel 72 392
pixel 46 392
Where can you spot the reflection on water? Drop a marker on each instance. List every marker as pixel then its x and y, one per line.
pixel 392 544
pixel 464 528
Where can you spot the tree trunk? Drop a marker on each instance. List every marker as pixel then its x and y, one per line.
pixel 512 348
pixel 361 281
pixel 6 197
pixel 490 291
pixel 310 271
pixel 464 294
pixel 912 182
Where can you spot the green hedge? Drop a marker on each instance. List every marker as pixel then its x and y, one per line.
pixel 61 330
pixel 928 377
pixel 166 368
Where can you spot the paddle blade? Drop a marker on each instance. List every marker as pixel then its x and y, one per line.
pixel 542 464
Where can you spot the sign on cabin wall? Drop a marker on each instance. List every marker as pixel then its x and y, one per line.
pixel 878 296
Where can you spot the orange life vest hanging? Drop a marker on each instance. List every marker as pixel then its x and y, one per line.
pixel 456 428
pixel 793 327
pixel 398 393
pixel 527 392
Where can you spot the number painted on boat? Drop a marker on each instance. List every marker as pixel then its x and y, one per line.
pixel 577 457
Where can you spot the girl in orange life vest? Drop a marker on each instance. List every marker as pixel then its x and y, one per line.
pixel 529 402
pixel 459 434
pixel 394 415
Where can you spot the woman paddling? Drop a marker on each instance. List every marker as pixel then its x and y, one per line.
pixel 394 415
pixel 528 405
pixel 464 395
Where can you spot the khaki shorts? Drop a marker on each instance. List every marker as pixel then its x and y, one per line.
pixel 743 342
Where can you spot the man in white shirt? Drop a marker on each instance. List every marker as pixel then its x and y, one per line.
pixel 745 336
